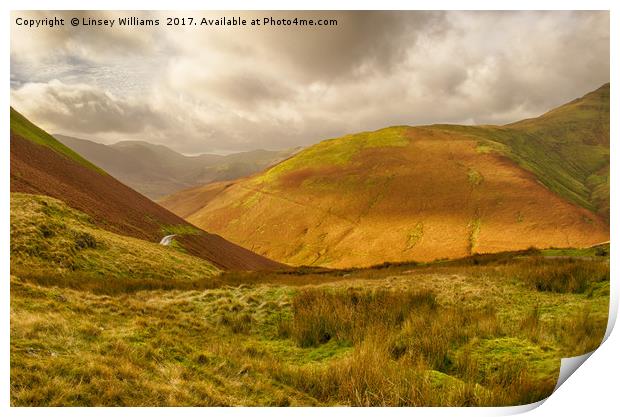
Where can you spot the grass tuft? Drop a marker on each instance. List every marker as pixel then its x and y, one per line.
pixel 573 276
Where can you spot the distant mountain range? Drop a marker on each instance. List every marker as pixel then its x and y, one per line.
pixel 423 193
pixel 156 170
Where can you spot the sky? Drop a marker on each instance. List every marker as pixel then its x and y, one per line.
pixel 201 89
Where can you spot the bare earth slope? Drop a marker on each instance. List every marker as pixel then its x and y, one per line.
pixel 41 165
pixel 410 193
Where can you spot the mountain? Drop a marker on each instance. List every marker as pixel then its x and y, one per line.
pixel 40 165
pixel 156 170
pixel 423 193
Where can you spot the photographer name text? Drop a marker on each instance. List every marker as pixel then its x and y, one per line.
pixel 133 21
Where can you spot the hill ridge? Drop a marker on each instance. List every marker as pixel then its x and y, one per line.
pixel 421 193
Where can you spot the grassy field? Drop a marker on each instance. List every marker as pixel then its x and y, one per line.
pixel 484 330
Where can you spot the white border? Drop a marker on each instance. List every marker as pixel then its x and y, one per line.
pixel 591 390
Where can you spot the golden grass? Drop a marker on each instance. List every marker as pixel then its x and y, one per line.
pixel 349 315
pixel 50 239
pixel 473 332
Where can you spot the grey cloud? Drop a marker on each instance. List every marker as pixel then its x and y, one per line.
pixel 91 42
pixel 236 89
pixel 376 39
pixel 247 89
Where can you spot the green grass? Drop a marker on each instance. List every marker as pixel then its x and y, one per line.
pixel 338 151
pixel 566 148
pixel 48 237
pixel 457 333
pixel 598 183
pixel 495 356
pixel 26 129
pixel 180 229
pixel 598 250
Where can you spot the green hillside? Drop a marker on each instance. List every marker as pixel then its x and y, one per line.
pixel 48 238
pixel 26 129
pixel 567 148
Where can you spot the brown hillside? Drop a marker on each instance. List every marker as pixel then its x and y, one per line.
pixel 39 169
pixel 398 194
pixel 189 201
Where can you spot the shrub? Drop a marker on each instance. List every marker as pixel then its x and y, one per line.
pixel 84 240
pixel 237 322
pixel 320 315
pixel 428 336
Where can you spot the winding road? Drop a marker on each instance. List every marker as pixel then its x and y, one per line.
pixel 166 240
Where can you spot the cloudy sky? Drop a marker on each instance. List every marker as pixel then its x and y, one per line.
pixel 206 89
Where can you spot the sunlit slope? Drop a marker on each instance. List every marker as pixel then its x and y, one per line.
pixel 189 201
pixel 423 194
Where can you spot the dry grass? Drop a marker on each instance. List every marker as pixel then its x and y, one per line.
pixel 322 315
pixel 110 284
pixel 412 351
pixel 574 276
pixel 470 332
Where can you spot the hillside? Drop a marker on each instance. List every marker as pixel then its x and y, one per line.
pixel 156 170
pixel 50 238
pixel 422 193
pixel 41 165
pixel 567 148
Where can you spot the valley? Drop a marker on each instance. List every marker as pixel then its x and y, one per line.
pixel 157 171
pixel 435 265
